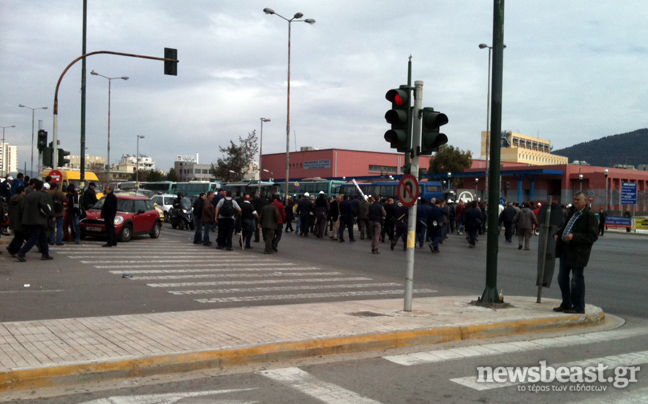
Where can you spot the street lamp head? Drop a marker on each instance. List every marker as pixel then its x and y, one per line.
pixel 606 171
pixel 124 78
pixel 94 73
pixel 482 46
pixel 298 15
pixel 309 21
pixel 21 106
pixel 265 119
pixel 268 11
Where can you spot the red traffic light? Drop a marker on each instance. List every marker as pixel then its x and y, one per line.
pixel 398 97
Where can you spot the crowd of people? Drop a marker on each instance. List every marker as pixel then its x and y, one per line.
pixel 42 215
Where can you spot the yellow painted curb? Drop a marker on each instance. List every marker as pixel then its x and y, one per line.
pixel 57 376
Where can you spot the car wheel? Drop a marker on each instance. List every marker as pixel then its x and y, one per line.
pixel 155 233
pixel 126 234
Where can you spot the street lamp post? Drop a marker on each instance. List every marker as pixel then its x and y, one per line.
pixel 296 18
pixel 476 184
pixel 31 168
pixel 137 163
pixel 580 180
pixel 261 142
pixel 607 200
pixel 4 149
pixel 490 50
pixel 110 79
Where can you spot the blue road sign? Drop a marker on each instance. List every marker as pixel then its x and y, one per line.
pixel 629 193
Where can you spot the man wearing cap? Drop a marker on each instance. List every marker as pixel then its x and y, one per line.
pixel 574 242
pixel 89 196
pixel 401 216
pixel 304 209
pixel 321 210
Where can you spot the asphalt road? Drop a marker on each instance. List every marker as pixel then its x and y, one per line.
pixel 172 274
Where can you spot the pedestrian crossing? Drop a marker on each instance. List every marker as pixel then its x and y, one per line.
pixel 214 277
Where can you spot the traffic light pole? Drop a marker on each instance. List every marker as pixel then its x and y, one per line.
pixel 411 223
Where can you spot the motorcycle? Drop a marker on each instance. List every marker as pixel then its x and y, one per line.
pixel 181 217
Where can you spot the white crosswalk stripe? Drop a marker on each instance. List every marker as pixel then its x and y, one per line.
pixel 280 288
pixel 232 267
pixel 269 281
pixel 308 384
pixel 511 347
pixel 309 296
pixel 235 275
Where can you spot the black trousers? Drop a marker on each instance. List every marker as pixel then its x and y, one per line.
pixel 225 230
pixel 110 230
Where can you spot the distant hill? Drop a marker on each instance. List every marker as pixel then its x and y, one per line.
pixel 627 148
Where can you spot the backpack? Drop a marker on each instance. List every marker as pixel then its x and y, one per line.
pixel 227 210
pixel 58 205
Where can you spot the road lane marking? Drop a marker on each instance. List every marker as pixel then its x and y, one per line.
pixel 235 275
pixel 629 359
pixel 231 267
pixel 308 296
pixel 308 384
pixel 511 347
pixel 169 398
pixel 279 288
pixel 260 282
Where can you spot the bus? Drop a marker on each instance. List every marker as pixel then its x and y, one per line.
pixel 160 187
pixel 196 187
pixel 254 188
pixel 74 177
pixel 389 189
pixel 314 185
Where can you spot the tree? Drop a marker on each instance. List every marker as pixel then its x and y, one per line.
pixel 450 159
pixel 172 175
pixel 155 176
pixel 237 158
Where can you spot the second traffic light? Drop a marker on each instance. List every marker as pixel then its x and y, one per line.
pixel 431 139
pixel 42 139
pixel 399 117
pixel 171 67
pixel 62 161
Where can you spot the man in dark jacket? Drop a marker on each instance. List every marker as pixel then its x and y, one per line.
pixel 347 213
pixel 602 220
pixel 574 242
pixel 473 219
pixel 89 196
pixel 436 217
pixel 268 220
pixel 259 202
pixel 16 207
pixel 376 214
pixel 321 209
pixel 506 217
pixel 197 212
pixel 208 217
pixel 108 213
pixel 37 215
pixel 304 209
pixel 401 218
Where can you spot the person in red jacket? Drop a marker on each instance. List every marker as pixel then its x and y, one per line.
pixel 282 220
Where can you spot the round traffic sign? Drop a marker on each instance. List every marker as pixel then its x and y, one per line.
pixel 408 190
pixel 56 176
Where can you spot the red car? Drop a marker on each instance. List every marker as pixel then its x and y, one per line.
pixel 135 215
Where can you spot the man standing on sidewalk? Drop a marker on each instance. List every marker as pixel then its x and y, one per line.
pixel 574 244
pixel 108 213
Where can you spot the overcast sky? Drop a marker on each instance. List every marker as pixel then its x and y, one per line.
pixel 573 71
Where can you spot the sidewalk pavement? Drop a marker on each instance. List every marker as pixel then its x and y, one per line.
pixel 52 353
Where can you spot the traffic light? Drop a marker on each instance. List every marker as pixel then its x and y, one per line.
pixel 42 139
pixel 399 117
pixel 47 157
pixel 62 161
pixel 171 67
pixel 431 139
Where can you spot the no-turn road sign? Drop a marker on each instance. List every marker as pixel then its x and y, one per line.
pixel 408 190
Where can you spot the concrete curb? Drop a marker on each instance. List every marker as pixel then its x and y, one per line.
pixel 57 376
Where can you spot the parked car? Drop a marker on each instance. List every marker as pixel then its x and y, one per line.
pixel 135 215
pixel 164 201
